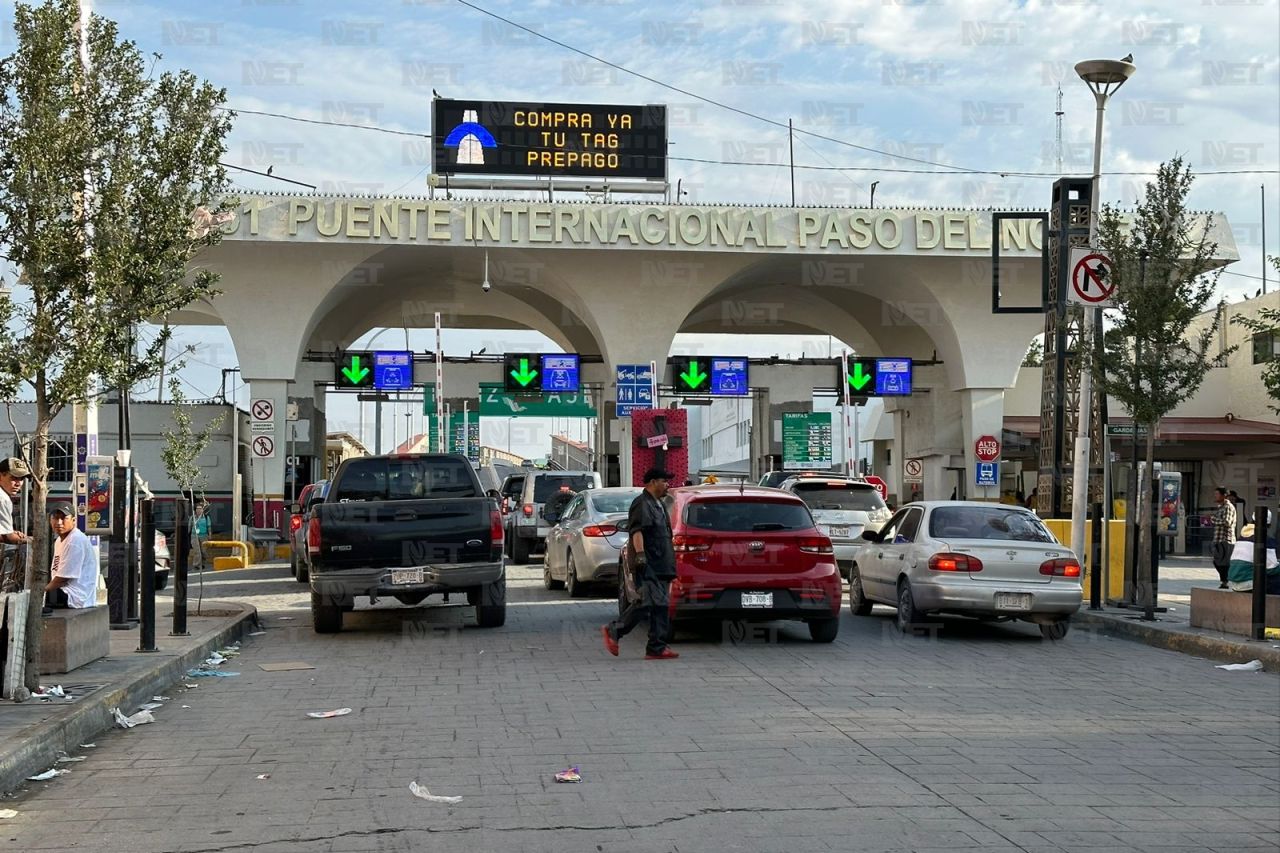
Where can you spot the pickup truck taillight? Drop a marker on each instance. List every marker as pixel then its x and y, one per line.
pixel 295 523
pixel 496 533
pixel 527 509
pixel 313 536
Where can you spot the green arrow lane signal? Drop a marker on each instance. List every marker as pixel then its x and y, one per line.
pixel 693 376
pixel 859 379
pixel 524 376
pixel 355 373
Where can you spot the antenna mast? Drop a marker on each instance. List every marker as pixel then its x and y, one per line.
pixel 1058 138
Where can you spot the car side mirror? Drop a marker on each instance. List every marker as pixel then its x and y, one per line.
pixel 870 536
pixel 623 525
pixel 295 508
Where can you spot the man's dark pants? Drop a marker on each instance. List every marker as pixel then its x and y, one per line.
pixel 1222 559
pixel 652 603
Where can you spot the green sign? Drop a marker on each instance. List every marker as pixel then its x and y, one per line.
pixel 692 375
pixel 429 399
pixel 495 402
pixel 354 370
pixel 519 370
pixel 806 440
pixel 862 375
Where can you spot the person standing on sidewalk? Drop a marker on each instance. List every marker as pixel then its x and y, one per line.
pixel 1224 534
pixel 654 557
pixel 12 472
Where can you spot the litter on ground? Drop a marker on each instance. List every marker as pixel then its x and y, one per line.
pixel 209 673
pixel 257 633
pixel 88 745
pixel 324 715
pixel 67 759
pixel 421 792
pixel 49 774
pixel 573 774
pixel 150 706
pixel 264 776
pixel 139 719
pixel 1251 666
pixel 5 814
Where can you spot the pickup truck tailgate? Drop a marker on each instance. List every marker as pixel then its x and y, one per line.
pixel 404 533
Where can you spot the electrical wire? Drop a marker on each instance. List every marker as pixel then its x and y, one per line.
pixel 325 122
pixel 266 175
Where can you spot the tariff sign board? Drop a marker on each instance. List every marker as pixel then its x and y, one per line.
pixel 393 370
pixel 519 138
pixel 806 440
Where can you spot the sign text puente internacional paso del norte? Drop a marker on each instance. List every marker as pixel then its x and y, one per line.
pixel 564 225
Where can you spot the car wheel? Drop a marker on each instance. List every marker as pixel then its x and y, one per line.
pixel 548 581
pixel 304 573
pixel 571 582
pixel 824 630
pixel 520 550
pixel 162 579
pixel 293 564
pixel 1055 630
pixel 326 617
pixel 859 604
pixel 908 615
pixel 491 611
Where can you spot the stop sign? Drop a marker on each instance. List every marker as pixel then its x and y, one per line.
pixel 881 486
pixel 987 448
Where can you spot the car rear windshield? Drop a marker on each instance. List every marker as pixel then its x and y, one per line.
pixel 513 487
pixel 610 502
pixel 827 495
pixel 379 479
pixel 747 516
pixel 548 484
pixel 980 522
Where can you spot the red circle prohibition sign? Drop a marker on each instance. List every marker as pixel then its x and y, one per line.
pixel 263 445
pixel 1084 277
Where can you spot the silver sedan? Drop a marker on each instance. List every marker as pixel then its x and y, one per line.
pixel 583 546
pixel 987 560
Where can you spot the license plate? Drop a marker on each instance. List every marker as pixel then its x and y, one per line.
pixel 838 530
pixel 757 599
pixel 1013 601
pixel 401 577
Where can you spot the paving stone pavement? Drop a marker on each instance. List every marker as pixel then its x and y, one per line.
pixel 979 737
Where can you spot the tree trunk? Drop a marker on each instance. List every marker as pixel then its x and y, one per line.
pixel 38 568
pixel 1145 568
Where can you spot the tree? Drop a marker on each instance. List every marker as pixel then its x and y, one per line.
pixel 1267 323
pixel 109 184
pixel 1035 353
pixel 1165 276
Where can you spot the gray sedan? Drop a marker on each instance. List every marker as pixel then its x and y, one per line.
pixel 977 559
pixel 583 546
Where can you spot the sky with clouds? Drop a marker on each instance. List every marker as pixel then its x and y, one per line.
pixel 962 83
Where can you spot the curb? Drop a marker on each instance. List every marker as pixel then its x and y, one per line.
pixel 1219 648
pixel 83 721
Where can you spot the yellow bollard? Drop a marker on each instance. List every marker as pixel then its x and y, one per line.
pixel 233 562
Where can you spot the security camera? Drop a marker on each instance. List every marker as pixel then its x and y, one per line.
pixel 486 286
pixel 433 180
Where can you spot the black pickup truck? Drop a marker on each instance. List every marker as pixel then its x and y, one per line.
pixel 405 527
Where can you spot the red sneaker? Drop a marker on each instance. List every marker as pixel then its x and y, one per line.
pixel 665 654
pixel 609 642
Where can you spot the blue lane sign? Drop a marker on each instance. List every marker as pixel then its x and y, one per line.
pixel 988 474
pixel 729 377
pixel 635 388
pixel 893 377
pixel 393 370
pixel 560 373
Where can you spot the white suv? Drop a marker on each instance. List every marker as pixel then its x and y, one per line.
pixel 542 499
pixel 843 508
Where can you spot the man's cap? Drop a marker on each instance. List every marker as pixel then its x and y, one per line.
pixel 62 508
pixel 16 467
pixel 657 474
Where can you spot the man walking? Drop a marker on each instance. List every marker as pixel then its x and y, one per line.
pixel 654 557
pixel 1224 534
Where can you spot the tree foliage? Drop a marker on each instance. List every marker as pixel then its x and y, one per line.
pixel 183 443
pixel 1035 353
pixel 110 183
pixel 1267 321
pixel 1156 354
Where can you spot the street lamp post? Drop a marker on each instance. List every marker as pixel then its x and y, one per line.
pixel 1104 77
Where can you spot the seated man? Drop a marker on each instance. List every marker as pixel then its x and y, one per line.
pixel 1240 571
pixel 74 572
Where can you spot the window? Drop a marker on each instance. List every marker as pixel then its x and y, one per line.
pixel 747 516
pixel 1266 346
pixel 970 522
pixel 910 526
pixel 613 502
pixel 546 486
pixel 406 479
pixel 62 460
pixel 891 529
pixel 824 494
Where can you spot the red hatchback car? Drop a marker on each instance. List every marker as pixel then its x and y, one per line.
pixel 750 553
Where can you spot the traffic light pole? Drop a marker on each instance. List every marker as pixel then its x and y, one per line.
pixel 851 437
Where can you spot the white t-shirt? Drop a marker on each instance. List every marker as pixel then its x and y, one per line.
pixel 73 559
pixel 6 513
